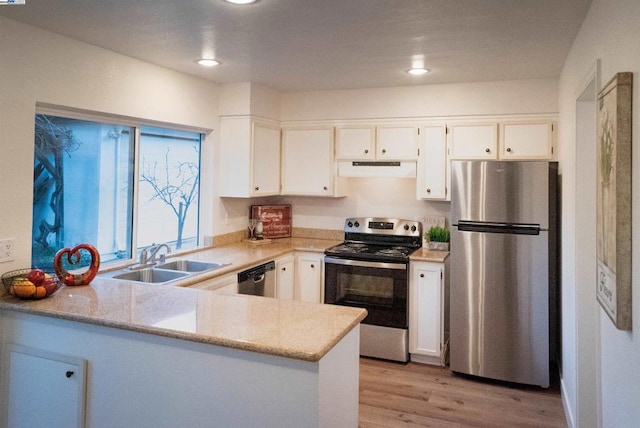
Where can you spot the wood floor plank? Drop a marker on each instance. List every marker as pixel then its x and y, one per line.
pixel 393 394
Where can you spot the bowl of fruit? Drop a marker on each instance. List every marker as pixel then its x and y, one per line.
pixel 31 284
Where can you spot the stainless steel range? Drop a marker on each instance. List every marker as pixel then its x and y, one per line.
pixel 370 270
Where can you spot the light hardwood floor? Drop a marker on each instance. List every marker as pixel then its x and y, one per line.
pixel 393 394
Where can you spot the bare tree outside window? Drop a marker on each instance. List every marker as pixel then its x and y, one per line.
pixel 176 184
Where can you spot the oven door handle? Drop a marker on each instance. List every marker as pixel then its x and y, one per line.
pixel 361 263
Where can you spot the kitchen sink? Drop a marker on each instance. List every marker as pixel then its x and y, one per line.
pixel 190 265
pixel 150 275
pixel 165 272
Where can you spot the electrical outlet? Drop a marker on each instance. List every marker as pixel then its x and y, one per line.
pixel 6 249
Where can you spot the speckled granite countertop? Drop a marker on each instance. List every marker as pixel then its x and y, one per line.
pixel 290 329
pixel 427 255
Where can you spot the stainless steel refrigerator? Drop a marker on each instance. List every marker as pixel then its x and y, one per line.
pixel 503 269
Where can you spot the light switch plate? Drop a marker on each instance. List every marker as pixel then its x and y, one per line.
pixel 6 249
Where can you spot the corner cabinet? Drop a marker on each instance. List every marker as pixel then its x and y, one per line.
pixel 249 157
pixel 434 174
pixel 44 389
pixel 309 284
pixel 308 167
pixel 428 311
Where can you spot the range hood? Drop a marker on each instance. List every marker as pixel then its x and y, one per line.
pixel 377 169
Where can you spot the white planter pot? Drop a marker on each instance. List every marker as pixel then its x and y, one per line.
pixel 439 246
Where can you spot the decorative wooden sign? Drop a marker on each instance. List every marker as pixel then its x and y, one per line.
pixel 276 220
pixel 613 234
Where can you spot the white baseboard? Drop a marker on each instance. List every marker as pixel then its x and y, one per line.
pixel 567 408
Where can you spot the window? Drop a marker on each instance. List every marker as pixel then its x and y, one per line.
pixel 89 188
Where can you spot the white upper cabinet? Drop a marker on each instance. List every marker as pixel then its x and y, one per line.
pixel 473 140
pixel 526 140
pixel 249 157
pixel 308 166
pixel 382 143
pixel 397 142
pixel 433 173
pixel 355 142
pixel 502 140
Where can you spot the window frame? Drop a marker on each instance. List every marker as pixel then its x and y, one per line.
pixel 136 124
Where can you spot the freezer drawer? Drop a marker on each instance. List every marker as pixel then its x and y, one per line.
pixel 499 306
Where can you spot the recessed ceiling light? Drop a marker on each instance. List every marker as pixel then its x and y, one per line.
pixel 208 62
pixel 241 1
pixel 417 71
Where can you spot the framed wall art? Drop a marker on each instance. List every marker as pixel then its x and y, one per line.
pixel 613 234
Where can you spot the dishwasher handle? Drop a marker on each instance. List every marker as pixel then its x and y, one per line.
pixel 256 272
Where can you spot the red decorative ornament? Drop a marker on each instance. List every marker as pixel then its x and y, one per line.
pixel 73 257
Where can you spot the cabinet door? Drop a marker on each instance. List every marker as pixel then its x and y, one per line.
pixel 45 389
pixel 526 140
pixel 355 143
pixel 397 142
pixel 285 278
pixel 235 157
pixel 308 286
pixel 426 306
pixel 307 162
pixel 265 160
pixel 473 140
pixel 433 172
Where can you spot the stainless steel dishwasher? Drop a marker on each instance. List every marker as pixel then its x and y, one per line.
pixel 258 281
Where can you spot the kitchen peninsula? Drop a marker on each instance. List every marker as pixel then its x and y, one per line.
pixel 161 355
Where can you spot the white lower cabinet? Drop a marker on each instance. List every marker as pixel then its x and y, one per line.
pixel 285 277
pixel 427 311
pixel 46 389
pixel 309 277
pixel 227 284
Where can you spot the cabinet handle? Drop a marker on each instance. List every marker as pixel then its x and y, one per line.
pixel 325 188
pixel 313 266
pixel 366 151
pixel 487 150
pixel 384 151
pixel 509 149
pixel 428 190
pixel 284 269
pixel 421 275
pixel 257 188
pixel 68 374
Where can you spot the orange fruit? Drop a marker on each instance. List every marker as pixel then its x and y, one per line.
pixel 40 292
pixel 24 289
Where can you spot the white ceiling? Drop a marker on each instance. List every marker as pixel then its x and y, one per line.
pixel 299 45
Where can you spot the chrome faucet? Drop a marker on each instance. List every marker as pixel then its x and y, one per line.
pixel 153 250
pixel 148 256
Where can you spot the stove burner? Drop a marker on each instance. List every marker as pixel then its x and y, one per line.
pixel 391 251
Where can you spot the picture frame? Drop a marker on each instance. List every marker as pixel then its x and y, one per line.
pixel 613 200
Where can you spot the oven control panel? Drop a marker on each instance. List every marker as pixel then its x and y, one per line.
pixel 383 226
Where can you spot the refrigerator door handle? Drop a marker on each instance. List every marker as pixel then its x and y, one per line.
pixel 498 227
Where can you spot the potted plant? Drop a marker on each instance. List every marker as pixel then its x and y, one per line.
pixel 438 238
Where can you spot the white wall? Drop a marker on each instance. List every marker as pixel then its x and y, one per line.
pixel 38 66
pixel 610 33
pixel 460 99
